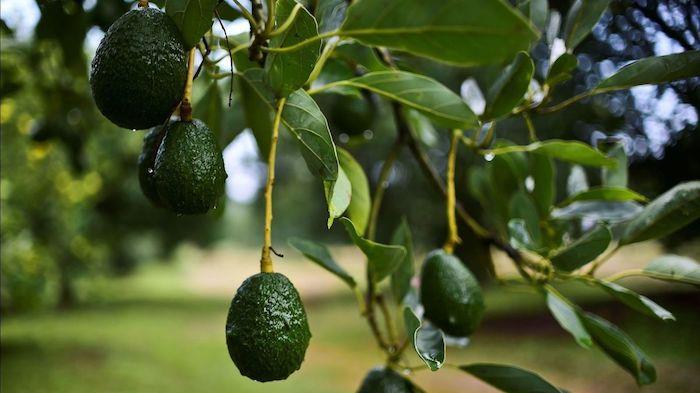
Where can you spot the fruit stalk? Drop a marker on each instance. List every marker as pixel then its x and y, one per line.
pixel 265 259
pixel 143 3
pixel 186 105
pixel 453 235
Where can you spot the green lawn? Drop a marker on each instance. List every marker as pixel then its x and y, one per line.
pixel 152 334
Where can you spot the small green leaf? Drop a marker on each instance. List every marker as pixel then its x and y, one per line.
pixel 428 341
pixel 192 17
pixel 240 58
pixel 583 250
pixel 636 301
pixel 671 211
pixel 360 203
pixel 401 277
pixel 543 174
pixel 538 12
pixel 620 348
pixel 522 206
pixel 227 11
pixel 289 71
pixel 519 235
pixel 510 87
pixel 572 151
pixel 256 100
pixel 604 193
pixel 609 212
pixel 510 379
pixel 674 268
pixel 582 16
pixel 617 176
pixel 561 69
pixel 319 254
pixel 491 32
pixel 338 194
pixel 210 109
pixel 577 181
pixel 653 70
pixel 567 315
pixel 382 259
pixel 330 14
pixel 419 92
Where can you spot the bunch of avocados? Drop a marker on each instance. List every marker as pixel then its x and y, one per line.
pixel 138 79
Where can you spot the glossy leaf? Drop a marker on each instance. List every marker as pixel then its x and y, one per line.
pixel 674 268
pixel 319 254
pixel 256 100
pixel 210 109
pixel 491 32
pixel 561 69
pixel 522 206
pixel 382 259
pixel 510 87
pixel 577 181
pixel 289 71
pixel 617 176
pixel 620 348
pixel 519 235
pixel 653 70
pixel 610 212
pixel 636 301
pixel 615 194
pixel 338 194
pixel 401 277
pixel 330 14
pixel 428 341
pixel 571 151
pixel 192 17
pixel 583 250
pixel 240 58
pixel 538 12
pixel 582 16
pixel 227 12
pixel 360 203
pixel 543 174
pixel 669 212
pixel 510 379
pixel 419 92
pixel 568 318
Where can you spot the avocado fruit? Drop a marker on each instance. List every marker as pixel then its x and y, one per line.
pixel 139 71
pixel 146 164
pixel 450 294
pixel 188 172
pixel 352 115
pixel 267 332
pixel 386 380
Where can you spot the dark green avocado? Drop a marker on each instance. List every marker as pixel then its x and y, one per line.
pixel 139 71
pixel 147 162
pixel 266 330
pixel 386 380
pixel 189 170
pixel 450 294
pixel 352 115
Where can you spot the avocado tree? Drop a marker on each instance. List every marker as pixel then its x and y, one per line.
pixel 142 76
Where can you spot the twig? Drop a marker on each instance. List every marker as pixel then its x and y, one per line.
pixel 230 56
pixel 453 234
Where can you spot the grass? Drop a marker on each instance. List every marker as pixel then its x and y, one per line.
pixel 154 333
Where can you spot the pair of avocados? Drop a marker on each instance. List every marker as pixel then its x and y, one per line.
pixel 138 78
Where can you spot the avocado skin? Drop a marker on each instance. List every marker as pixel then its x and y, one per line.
pixel 189 170
pixel 385 380
pixel 267 332
pixel 450 294
pixel 147 161
pixel 352 115
pixel 139 71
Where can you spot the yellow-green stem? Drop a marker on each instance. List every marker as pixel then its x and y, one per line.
pixel 530 127
pixel 186 105
pixel 246 14
pixel 453 234
pixel 265 259
pixel 287 23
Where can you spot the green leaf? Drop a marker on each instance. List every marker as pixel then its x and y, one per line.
pixel 240 58
pixel 519 235
pixel 289 71
pixel 522 206
pixel 636 301
pixel 401 277
pixel 538 12
pixel 227 11
pixel 210 109
pixel 491 32
pixel 510 379
pixel 674 268
pixel 419 92
pixel 653 70
pixel 256 100
pixel 572 151
pixel 671 211
pixel 428 341
pixel 610 212
pixel 567 315
pixel 620 348
pixel 543 174
pixel 330 14
pixel 192 17
pixel 582 16
pixel 617 176
pixel 510 87
pixel 319 254
pixel 360 203
pixel 382 259
pixel 604 193
pixel 338 193
pixel 561 69
pixel 577 181
pixel 583 250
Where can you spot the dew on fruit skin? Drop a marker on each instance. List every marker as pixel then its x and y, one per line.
pixel 150 171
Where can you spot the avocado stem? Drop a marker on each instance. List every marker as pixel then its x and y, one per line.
pixel 265 259
pixel 143 3
pixel 453 234
pixel 186 105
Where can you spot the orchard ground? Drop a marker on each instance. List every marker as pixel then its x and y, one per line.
pixel 162 330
